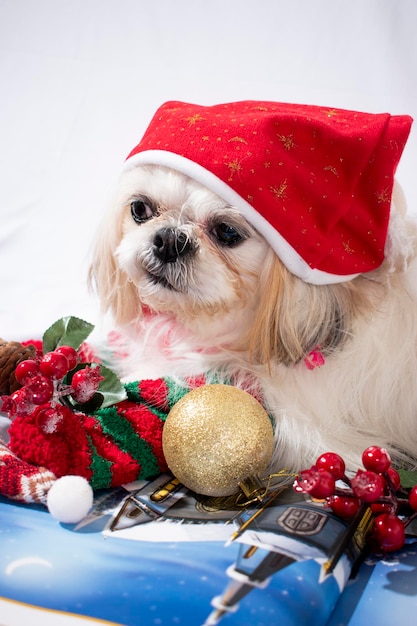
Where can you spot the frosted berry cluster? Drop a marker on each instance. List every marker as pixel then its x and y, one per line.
pixel 378 486
pixel 47 381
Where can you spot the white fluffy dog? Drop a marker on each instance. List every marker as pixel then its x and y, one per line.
pixel 195 287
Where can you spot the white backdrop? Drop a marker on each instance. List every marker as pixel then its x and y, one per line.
pixel 80 80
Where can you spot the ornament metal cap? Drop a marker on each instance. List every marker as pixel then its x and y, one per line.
pixel 253 488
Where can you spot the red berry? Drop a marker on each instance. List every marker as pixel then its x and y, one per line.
pixel 394 477
pixel 388 532
pixel 318 483
pixel 333 463
pixel 54 365
pixel 412 497
pixel 21 403
pixel 344 506
pixel 25 370
pixel 6 404
pixel 40 389
pixel 376 459
pixel 70 354
pixel 49 419
pixel 85 383
pixel 368 486
pixel 381 507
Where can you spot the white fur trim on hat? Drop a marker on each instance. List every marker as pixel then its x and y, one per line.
pixel 290 257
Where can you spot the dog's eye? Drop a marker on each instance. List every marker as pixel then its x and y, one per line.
pixel 226 234
pixel 141 211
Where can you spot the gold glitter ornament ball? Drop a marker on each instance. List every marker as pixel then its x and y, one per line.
pixel 215 437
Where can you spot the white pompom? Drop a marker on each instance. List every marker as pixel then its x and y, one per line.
pixel 69 499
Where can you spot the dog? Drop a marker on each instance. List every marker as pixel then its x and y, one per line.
pixel 194 287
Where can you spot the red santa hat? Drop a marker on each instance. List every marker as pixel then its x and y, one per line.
pixel 315 182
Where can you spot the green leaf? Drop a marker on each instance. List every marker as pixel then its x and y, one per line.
pixel 408 478
pixel 67 331
pixel 112 389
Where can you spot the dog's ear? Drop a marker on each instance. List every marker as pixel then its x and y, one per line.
pixel 117 294
pixel 293 317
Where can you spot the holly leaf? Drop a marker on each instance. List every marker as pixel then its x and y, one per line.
pixel 408 478
pixel 67 331
pixel 111 388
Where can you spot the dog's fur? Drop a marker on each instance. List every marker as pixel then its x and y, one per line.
pixel 189 303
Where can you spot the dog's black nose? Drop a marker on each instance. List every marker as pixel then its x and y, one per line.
pixel 170 243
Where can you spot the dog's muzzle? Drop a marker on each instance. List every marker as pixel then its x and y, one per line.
pixel 169 244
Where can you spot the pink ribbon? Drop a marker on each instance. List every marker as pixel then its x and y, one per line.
pixel 314 359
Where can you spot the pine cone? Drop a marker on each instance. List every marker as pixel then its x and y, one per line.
pixel 12 353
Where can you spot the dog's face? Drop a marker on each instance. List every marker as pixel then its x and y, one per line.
pixel 171 246
pixel 183 248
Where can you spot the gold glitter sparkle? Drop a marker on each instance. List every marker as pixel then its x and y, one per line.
pixel 383 196
pixel 287 141
pixel 280 192
pixel 332 169
pixel 238 139
pixel 347 247
pixel 234 166
pixel 194 119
